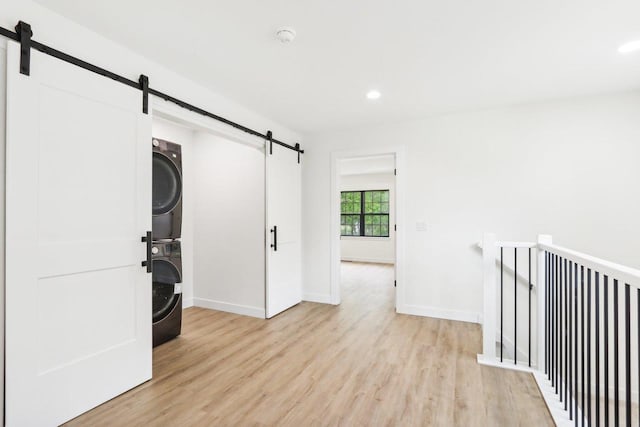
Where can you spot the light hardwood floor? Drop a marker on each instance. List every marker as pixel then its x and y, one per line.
pixel 359 363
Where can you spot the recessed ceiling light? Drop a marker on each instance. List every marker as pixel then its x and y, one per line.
pixel 373 94
pixel 629 47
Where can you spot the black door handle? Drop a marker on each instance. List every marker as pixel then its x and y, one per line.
pixel 148 262
pixel 274 245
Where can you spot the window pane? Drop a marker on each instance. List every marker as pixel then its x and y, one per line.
pixel 376 220
pixel 385 220
pixel 376 230
pixel 384 230
pixel 368 220
pixel 384 207
pixel 368 230
pixel 385 196
pixel 350 225
pixel 367 196
pixel 376 196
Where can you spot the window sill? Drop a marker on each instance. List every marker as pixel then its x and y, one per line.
pixel 368 238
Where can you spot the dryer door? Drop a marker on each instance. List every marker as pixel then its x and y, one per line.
pixel 165 277
pixel 167 184
pixel 167 197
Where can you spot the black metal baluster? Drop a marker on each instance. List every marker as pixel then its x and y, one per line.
pixel 582 339
pixel 570 348
pixel 530 287
pixel 560 330
pixel 501 292
pixel 575 345
pixel 515 306
pixel 616 372
pixel 546 315
pixel 557 282
pixel 566 339
pixel 589 346
pixel 552 326
pixel 627 349
pixel 597 400
pixel 605 346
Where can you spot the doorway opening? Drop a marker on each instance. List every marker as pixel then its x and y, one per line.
pixel 222 222
pixel 365 213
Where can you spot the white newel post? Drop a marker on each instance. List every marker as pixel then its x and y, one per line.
pixel 540 291
pixel 489 251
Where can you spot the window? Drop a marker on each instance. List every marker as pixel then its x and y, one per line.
pixel 364 213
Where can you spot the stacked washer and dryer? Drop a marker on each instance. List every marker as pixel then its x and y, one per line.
pixel 166 251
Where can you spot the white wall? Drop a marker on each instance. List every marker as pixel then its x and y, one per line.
pixel 3 81
pixel 370 249
pixel 567 168
pixel 229 257
pixel 184 136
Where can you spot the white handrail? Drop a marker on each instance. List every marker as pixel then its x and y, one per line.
pixel 623 273
pixel 506 244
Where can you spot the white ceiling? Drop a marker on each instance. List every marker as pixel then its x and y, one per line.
pixel 425 56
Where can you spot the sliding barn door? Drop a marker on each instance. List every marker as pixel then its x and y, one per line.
pixel 284 275
pixel 78 194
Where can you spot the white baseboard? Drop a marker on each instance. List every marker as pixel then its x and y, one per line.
pixel 507 364
pixel 244 310
pixel 371 260
pixel 313 297
pixel 556 408
pixel 187 302
pixel 440 313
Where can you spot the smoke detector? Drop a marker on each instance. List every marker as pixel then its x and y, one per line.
pixel 285 34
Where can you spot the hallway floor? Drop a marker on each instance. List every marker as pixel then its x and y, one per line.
pixel 359 363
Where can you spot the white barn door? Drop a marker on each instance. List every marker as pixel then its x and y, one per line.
pixel 78 301
pixel 284 273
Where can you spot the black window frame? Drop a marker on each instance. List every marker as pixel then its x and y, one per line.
pixel 362 214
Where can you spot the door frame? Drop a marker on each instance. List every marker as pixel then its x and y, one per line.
pixel 164 110
pixel 399 153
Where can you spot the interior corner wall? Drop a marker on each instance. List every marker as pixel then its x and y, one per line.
pixel 169 131
pixel 568 168
pixel 229 226
pixel 370 249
